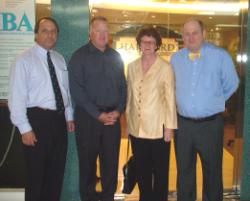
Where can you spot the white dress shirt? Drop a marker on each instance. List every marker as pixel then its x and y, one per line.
pixel 30 85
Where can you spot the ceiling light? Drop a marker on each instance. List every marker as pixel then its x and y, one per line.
pixel 200 8
pixel 244 58
pixel 94 10
pixel 43 1
pixel 125 25
pixel 206 13
pixel 228 25
pixel 241 58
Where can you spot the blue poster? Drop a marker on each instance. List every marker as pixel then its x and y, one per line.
pixel 17 20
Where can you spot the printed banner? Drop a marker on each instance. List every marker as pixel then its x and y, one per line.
pixel 17 19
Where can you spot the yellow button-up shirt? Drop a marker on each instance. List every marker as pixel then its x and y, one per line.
pixel 151 99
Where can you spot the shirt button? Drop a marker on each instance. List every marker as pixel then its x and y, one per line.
pixel 139 115
pixel 192 94
pixel 141 80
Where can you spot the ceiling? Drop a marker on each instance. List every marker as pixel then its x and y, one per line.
pixel 118 22
pixel 141 17
pixel 170 13
pixel 123 14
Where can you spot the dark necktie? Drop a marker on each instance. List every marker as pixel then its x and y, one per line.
pixel 58 95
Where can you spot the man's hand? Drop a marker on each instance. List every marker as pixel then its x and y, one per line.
pixel 168 134
pixel 114 115
pixel 29 138
pixel 70 126
pixel 105 118
pixel 109 118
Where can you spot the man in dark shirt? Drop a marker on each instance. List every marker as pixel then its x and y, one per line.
pixel 98 89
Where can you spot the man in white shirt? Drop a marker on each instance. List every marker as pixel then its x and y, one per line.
pixel 40 106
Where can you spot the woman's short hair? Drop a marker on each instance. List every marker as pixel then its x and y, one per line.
pixel 149 31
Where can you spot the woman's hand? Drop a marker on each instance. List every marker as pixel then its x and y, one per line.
pixel 168 134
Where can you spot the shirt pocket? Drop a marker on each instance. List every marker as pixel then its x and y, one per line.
pixel 37 76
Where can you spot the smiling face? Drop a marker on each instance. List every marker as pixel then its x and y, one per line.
pixel 193 35
pixel 99 34
pixel 148 45
pixel 46 35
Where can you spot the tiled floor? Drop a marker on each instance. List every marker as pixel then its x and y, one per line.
pixel 227 171
pixel 18 195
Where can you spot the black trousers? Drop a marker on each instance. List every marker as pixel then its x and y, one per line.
pixel 152 168
pixel 45 161
pixel 206 139
pixel 93 140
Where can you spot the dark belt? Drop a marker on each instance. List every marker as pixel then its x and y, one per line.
pixel 41 109
pixel 201 119
pixel 106 109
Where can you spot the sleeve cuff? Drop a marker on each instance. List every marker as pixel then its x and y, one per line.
pixel 69 114
pixel 24 128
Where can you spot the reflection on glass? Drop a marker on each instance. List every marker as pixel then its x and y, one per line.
pixel 224 28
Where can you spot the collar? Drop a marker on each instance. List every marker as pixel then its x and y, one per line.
pixel 41 50
pixel 197 55
pixel 94 49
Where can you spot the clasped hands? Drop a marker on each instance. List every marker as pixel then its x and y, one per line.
pixel 109 118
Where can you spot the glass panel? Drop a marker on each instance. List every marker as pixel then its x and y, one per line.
pixel 225 23
pixel 42 9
